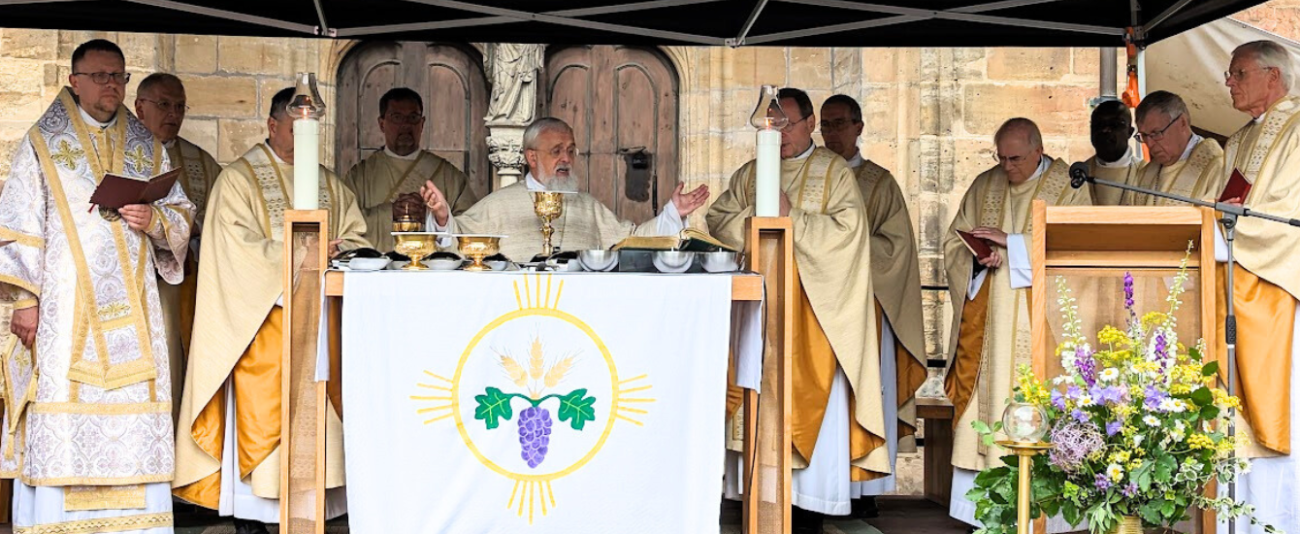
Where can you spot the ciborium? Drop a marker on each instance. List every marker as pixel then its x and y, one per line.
pixel 548 205
pixel 477 247
pixel 408 213
pixel 415 245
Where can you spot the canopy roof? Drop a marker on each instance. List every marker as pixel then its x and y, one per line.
pixel 811 23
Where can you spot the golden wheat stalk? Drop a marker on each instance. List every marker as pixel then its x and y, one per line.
pixel 536 363
pixel 514 371
pixel 557 372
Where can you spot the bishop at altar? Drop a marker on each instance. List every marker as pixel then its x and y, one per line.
pixel 838 423
pixel 586 223
pixel 228 440
pixel 84 284
pixel 990 296
pixel 402 168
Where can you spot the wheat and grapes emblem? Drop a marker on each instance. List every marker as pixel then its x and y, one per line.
pixel 560 377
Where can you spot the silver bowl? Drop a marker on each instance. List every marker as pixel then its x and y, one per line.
pixel 598 260
pixel 721 261
pixel 673 261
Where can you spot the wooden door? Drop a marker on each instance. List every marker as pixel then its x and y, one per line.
pixel 451 82
pixel 617 99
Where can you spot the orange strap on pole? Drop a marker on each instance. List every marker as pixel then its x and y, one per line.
pixel 1132 97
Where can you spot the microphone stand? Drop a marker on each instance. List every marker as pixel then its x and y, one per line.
pixel 1229 213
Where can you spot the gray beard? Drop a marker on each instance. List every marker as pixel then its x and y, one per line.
pixel 556 183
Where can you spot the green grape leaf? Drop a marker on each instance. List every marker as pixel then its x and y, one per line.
pixel 493 406
pixel 576 407
pixel 1209 412
pixel 1209 369
pixel 1202 396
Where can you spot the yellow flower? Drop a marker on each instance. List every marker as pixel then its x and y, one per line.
pixel 1134 465
pixel 1113 336
pixel 1180 389
pixel 1222 398
pixel 1119 457
pixel 1115 473
pixel 1200 441
pixel 1154 318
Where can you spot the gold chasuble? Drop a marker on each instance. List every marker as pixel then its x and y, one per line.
pixel 99 424
pixel 585 224
pixel 237 328
pixel 896 284
pixel 1199 176
pixel 990 333
pixel 834 313
pixel 199 171
pixel 379 179
pixel 1111 196
pixel 1267 278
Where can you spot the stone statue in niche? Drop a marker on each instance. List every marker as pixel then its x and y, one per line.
pixel 513 70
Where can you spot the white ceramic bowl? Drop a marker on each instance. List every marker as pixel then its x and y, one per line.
pixel 673 261
pixel 598 260
pixel 368 264
pixel 719 262
pixel 569 266
pixel 444 264
pixel 397 265
pixel 498 265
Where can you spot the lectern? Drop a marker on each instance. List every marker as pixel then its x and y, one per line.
pixel 1091 248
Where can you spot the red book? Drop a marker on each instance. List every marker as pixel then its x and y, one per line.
pixel 117 191
pixel 1237 188
pixel 981 248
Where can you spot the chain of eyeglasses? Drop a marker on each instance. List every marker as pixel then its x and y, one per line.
pixel 102 78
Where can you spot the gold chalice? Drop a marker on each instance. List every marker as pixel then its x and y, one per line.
pixel 477 247
pixel 548 205
pixel 415 245
pixel 408 226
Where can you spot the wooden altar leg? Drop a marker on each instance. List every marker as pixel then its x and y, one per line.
pixel 769 247
pixel 303 400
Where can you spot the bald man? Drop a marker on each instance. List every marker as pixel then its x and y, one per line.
pixel 161 105
pixel 990 297
pixel 1112 127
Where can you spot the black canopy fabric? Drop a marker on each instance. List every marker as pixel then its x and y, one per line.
pixel 810 23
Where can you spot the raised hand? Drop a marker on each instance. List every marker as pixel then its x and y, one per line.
pixel 687 203
pixel 436 202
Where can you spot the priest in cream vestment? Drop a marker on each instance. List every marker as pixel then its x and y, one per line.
pixel 161 105
pixel 1182 162
pixel 838 418
pixel 586 223
pixel 402 167
pixel 895 282
pixel 1266 283
pixel 1111 128
pixel 87 423
pixel 990 332
pixel 228 442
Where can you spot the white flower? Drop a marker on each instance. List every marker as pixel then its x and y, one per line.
pixel 1110 374
pixel 1086 401
pixel 1172 405
pixel 1062 380
pixel 1137 440
pixel 1114 472
pixel 1151 420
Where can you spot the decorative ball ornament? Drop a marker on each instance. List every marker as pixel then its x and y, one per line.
pixel 1024 422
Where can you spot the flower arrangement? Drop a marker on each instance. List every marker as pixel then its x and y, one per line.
pixel 1136 427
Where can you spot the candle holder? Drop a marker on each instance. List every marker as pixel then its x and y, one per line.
pixel 1025 425
pixel 769 119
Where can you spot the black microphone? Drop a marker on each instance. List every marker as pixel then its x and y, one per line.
pixel 1078 174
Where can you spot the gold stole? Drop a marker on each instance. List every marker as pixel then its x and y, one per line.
pixel 93 319
pixel 1188 180
pixel 273 188
pixel 196 180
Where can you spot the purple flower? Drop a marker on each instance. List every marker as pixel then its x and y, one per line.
pixel 1108 395
pixel 1161 346
pixel 1154 397
pixel 1102 482
pixel 1079 416
pixel 1058 400
pixel 1072 443
pixel 1128 293
pixel 1113 427
pixel 1131 489
pixel 1073 392
pixel 1087 368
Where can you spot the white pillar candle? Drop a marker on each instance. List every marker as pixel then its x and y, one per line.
pixel 768 170
pixel 306 164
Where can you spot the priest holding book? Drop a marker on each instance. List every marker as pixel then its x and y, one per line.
pixel 586 223
pixel 92 445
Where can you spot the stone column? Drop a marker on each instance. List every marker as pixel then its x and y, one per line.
pixel 514 70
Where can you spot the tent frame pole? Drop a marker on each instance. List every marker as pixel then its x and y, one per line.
pixel 229 15
pixel 577 23
pixel 490 21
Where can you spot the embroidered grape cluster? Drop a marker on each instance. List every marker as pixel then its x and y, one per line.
pixel 534 434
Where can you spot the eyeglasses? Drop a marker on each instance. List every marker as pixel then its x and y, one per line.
pixel 164 106
pixel 1238 75
pixel 404 119
pixel 1158 134
pixel 837 125
pixel 790 127
pixel 1014 160
pixel 102 78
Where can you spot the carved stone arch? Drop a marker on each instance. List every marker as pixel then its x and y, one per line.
pixel 618 98
pixel 450 80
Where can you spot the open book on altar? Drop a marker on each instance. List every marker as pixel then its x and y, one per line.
pixel 690 240
pixel 118 191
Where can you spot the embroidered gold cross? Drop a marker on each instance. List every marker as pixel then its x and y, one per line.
pixel 137 159
pixel 68 156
